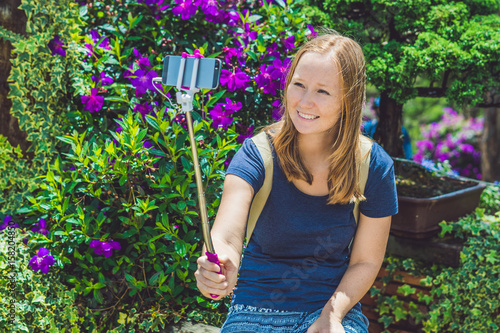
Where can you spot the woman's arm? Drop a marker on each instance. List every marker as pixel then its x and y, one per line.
pixel 367 255
pixel 227 233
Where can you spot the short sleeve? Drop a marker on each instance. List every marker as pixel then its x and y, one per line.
pixel 248 165
pixel 380 191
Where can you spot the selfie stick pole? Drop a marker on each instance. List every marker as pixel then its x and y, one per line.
pixel 186 100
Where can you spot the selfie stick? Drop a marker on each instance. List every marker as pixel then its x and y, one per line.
pixel 186 101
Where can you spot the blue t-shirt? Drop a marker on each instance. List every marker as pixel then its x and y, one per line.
pixel 299 249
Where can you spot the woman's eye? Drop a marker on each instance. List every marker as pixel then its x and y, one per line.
pixel 298 84
pixel 321 91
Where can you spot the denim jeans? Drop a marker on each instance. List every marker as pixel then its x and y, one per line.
pixel 249 319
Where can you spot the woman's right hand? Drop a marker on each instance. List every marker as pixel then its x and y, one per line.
pixel 210 282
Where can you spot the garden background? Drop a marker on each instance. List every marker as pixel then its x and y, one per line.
pixel 100 225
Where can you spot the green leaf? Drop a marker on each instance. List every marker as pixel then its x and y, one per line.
pixel 131 279
pixel 180 247
pixel 99 285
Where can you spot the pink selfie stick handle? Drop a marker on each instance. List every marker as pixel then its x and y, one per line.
pixel 212 257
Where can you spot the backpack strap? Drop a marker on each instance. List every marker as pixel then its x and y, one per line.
pixel 262 143
pixel 365 147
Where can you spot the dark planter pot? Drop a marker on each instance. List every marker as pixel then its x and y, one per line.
pixel 420 217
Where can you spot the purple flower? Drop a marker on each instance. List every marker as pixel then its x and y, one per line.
pixel 221 119
pixel 313 32
pixel 230 106
pixel 247 35
pixel 92 103
pixel 282 68
pixel 90 47
pixel 143 81
pixel 467 148
pixel 143 63
pixel 248 133
pixel 425 145
pixel 272 51
pixel 289 43
pixel 105 248
pixel 265 79
pixel 233 18
pixel 41 261
pixel 55 46
pixel 157 3
pixel 143 109
pixel 7 223
pixel 104 42
pixel 234 80
pixel 41 228
pixel 105 80
pixel 230 53
pixel 209 7
pixel 278 110
pixel 147 144
pixel 185 8
pixel 221 17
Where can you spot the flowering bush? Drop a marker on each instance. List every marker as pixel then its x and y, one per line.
pixel 454 139
pixel 116 214
pixel 119 216
pixel 254 39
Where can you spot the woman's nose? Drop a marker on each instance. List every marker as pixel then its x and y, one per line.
pixel 306 99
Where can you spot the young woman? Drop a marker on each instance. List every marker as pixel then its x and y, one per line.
pixel 299 272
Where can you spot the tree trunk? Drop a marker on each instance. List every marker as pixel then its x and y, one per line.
pixel 490 144
pixel 13 19
pixel 388 133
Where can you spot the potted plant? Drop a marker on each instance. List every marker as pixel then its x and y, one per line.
pixel 426 198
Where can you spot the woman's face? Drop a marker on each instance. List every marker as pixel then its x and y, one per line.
pixel 314 95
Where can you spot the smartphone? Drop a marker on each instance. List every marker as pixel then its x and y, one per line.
pixel 208 72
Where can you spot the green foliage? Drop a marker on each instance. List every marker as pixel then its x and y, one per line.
pixel 42 303
pixel 124 174
pixel 460 299
pixel 143 198
pixel 463 295
pixel 40 93
pixel 454 45
pixel 394 308
pixel 490 199
pixel 11 162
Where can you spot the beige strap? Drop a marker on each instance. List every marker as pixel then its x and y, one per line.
pixel 260 199
pixel 365 147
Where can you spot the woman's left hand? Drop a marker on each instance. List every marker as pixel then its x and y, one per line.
pixel 326 324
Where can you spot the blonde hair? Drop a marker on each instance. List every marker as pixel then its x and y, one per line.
pixel 344 160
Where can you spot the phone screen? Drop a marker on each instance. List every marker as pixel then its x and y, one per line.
pixel 208 72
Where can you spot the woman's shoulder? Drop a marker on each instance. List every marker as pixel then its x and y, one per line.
pixel 380 161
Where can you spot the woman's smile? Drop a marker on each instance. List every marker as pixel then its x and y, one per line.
pixel 307 116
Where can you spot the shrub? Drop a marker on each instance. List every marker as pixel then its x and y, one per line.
pixel 122 220
pixel 120 204
pixel 462 296
pixel 43 63
pixel 459 298
pixel 41 302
